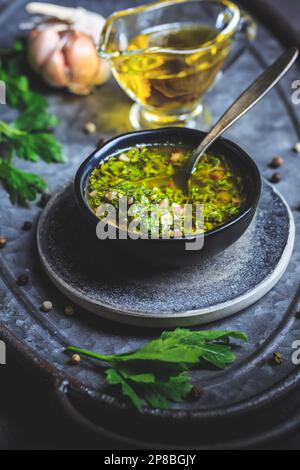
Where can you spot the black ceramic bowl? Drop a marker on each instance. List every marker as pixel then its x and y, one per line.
pixel 173 252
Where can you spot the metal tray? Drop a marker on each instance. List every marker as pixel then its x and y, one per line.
pixel 248 404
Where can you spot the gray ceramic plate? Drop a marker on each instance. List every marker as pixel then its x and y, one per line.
pixel 106 285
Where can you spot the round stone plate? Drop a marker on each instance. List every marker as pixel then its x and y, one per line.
pixel 107 285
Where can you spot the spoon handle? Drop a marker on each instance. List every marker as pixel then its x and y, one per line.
pixel 249 98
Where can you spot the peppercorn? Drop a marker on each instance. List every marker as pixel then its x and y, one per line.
pixel 277 162
pixel 45 198
pixel 46 306
pixel 22 279
pixel 196 393
pixel 276 359
pixel 27 226
pixel 90 128
pixel 69 310
pixel 3 242
pixel 101 142
pixel 75 359
pixel 297 147
pixel 275 178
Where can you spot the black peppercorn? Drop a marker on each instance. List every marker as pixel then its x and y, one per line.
pixel 276 178
pixel 22 279
pixel 45 198
pixel 196 393
pixel 27 226
pixel 101 142
pixel 69 311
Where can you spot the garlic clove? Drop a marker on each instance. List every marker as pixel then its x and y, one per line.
pixel 41 45
pixel 54 71
pixel 89 23
pixel 81 57
pixel 103 73
pixel 86 21
pixel 80 88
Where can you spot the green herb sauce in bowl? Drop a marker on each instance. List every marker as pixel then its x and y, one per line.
pixel 143 174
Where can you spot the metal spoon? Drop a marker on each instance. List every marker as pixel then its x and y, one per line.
pixel 246 101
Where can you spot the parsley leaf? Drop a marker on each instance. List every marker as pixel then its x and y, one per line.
pixel 34 118
pixel 31 146
pixel 113 377
pixel 22 186
pixel 28 137
pixel 156 373
pixel 18 91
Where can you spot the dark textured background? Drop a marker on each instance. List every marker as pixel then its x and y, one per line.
pixel 27 419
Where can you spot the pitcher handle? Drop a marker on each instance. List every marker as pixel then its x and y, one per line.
pixel 247 29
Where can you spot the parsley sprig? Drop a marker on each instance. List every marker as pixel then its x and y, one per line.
pixel 29 137
pixel 157 373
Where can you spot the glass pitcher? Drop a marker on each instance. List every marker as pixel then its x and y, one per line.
pixel 167 55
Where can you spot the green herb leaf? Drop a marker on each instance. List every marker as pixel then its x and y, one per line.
pixel 114 378
pixel 156 372
pixel 176 389
pixel 22 186
pixel 31 146
pixel 196 336
pixel 19 94
pixel 41 145
pixel 28 137
pixel 35 119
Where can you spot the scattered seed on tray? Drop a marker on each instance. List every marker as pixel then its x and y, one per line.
pixel 90 127
pixel 27 226
pixel 22 279
pixel 45 198
pixel 276 359
pixel 46 306
pixel 69 310
pixel 75 359
pixel 196 393
pixel 297 147
pixel 277 162
pixel 3 242
pixel 276 178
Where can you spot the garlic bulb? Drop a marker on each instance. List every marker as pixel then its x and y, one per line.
pixel 63 54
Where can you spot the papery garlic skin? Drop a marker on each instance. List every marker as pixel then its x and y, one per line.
pixel 66 57
pixel 83 20
pixel 54 71
pixel 41 46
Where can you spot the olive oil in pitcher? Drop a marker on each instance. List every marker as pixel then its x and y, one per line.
pixel 170 67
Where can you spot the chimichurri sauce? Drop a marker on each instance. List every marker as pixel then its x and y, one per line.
pixel 144 175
